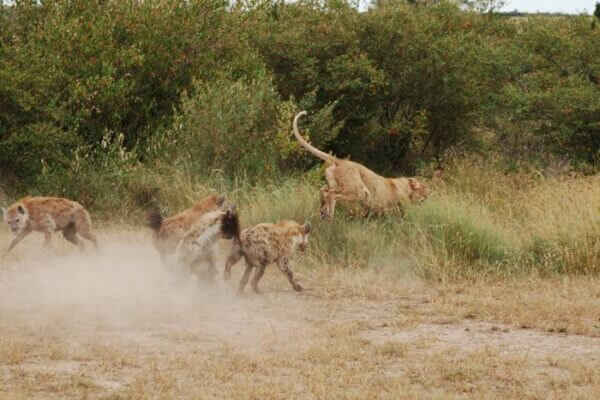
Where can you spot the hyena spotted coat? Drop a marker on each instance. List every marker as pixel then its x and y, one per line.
pixel 268 243
pixel 168 232
pixel 198 243
pixel 48 215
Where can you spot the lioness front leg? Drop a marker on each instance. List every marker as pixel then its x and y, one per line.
pixel 284 266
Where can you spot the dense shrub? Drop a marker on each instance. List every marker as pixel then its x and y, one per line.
pixel 87 67
pixel 556 97
pixel 240 127
pixel 214 85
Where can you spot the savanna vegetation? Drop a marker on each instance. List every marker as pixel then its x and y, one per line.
pixel 488 289
pixel 123 105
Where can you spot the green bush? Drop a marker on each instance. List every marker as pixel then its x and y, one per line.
pixel 208 86
pixel 556 97
pixel 33 149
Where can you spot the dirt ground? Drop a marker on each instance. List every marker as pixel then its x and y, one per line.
pixel 116 324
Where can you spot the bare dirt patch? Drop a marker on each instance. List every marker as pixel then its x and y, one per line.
pixel 504 339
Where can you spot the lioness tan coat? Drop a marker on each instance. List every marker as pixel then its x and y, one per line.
pixel 352 182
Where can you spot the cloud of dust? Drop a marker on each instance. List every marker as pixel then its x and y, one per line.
pixel 123 284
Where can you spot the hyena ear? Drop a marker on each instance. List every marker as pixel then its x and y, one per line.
pixel 20 209
pixel 307 227
pixel 220 200
pixel 231 210
pixel 3 211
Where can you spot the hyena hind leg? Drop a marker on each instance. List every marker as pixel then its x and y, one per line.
pixel 249 267
pixel 70 233
pixel 87 234
pixel 258 274
pixel 83 225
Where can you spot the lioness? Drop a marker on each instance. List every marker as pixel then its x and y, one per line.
pixel 268 243
pixel 47 215
pixel 169 231
pixel 353 182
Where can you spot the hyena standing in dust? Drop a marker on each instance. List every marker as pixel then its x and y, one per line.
pixel 199 242
pixel 168 232
pixel 48 215
pixel 268 243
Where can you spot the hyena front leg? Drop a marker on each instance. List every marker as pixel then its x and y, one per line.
pixel 210 259
pixel 17 240
pixel 284 266
pixel 49 227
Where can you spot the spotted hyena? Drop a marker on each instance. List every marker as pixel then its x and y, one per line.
pixel 168 232
pixel 198 243
pixel 267 243
pixel 47 215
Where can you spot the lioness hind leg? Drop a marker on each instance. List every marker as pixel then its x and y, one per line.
pixel 330 176
pixel 332 198
pixel 325 203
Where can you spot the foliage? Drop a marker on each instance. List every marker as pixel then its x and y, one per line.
pixel 213 86
pixel 558 96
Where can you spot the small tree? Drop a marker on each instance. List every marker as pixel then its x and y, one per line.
pixel 596 15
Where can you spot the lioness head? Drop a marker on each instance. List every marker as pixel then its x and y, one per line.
pixel 418 191
pixel 16 218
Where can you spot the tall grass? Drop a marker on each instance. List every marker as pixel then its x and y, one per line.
pixel 477 221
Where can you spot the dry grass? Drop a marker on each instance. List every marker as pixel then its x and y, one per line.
pixel 488 290
pixel 72 326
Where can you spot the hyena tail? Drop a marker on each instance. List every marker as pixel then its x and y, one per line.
pixel 155 220
pixel 230 224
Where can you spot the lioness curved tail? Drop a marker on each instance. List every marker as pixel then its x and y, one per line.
pixel 321 154
pixel 352 182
